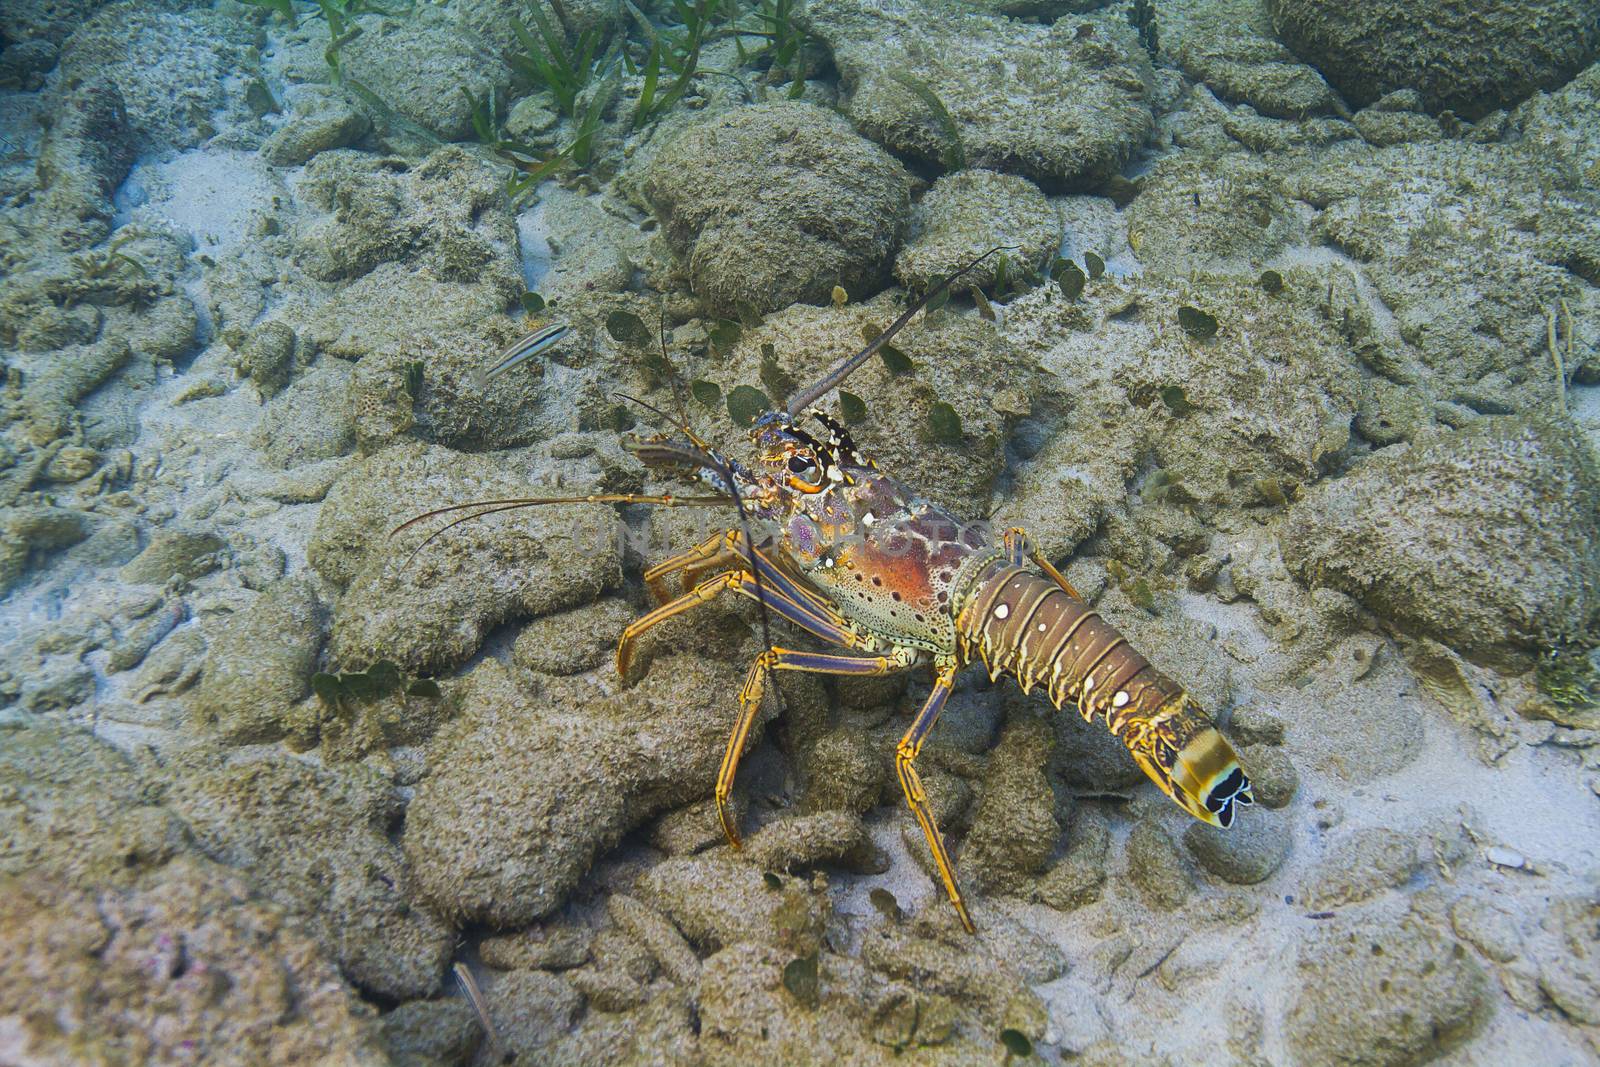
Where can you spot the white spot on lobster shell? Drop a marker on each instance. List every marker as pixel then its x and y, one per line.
pixel 1002 610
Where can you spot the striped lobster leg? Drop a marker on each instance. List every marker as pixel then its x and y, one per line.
pixel 905 758
pixel 781 596
pixel 755 686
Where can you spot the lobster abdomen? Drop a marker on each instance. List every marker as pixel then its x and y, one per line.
pixel 1020 622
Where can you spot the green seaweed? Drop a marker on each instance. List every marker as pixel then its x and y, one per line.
pixel 746 403
pixel 546 61
pixel 1271 282
pixel 382 679
pixel 531 302
pixel 1568 678
pixel 1095 264
pixel 413 377
pixel 1016 1043
pixel 953 153
pixel 626 328
pixel 1197 323
pixel 944 425
pixel 707 393
pixel 800 979
pixel 1176 399
pixel 851 407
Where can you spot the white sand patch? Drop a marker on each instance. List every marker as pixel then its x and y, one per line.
pixel 533 242
pixel 214 196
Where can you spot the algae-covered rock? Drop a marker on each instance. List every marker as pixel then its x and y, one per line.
pixel 571 641
pixel 316 841
pixel 1193 210
pixel 1486 538
pixel 1015 830
pixel 968 213
pixel 527 787
pixel 1248 852
pixel 174 552
pixel 308 422
pixel 188 965
pixel 429 608
pixel 1359 866
pixel 1470 58
pixel 426 1033
pixel 267 357
pixel 45 20
pixel 76 809
pixel 260 664
pixel 720 900
pixel 84 157
pixel 170 67
pixel 1273 778
pixel 1057 106
pixel 1231 47
pixel 1382 994
pixel 1156 867
pixel 317 125
pixel 777 203
pixel 419 66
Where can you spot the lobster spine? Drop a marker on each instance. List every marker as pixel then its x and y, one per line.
pixel 1022 623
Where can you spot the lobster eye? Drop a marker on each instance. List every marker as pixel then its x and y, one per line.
pixel 801 465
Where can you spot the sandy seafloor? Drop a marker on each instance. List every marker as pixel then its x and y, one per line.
pixel 1357 529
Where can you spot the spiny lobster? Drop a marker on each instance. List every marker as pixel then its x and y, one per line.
pixel 861 562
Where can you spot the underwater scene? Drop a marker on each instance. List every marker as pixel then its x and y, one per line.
pixel 791 532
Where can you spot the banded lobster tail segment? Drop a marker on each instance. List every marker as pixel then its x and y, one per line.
pixel 1022 623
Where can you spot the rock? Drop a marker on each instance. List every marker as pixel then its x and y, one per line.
pixel 40 529
pixel 1078 877
pixel 1383 994
pixel 1470 59
pixel 1273 779
pixel 430 610
pixel 1245 215
pixel 419 66
pixel 49 400
pixel 1041 101
pixel 808 840
pixel 1156 867
pixel 170 67
pixel 260 664
pixel 965 215
pixel 308 422
pixel 1569 970
pixel 333 125
pixel 23 65
pixel 551 947
pixel 569 642
pixel 844 770
pixel 581 767
pixel 717 901
pixel 1231 47
pixel 531 1010
pixel 1486 538
pixel 267 357
pixel 186 965
pixel 656 934
pixel 1359 867
pixel 316 840
pixel 777 203
pixel 426 1033
pixel 1014 831
pixel 174 553
pixel 83 157
pixel 50 21
pixel 1248 852
pixel 74 809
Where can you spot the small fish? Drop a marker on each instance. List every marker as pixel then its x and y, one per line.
pixel 527 348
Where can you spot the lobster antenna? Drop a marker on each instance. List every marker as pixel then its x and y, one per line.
pixel 844 368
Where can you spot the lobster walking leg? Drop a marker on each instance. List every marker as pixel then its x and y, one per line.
pixel 1020 548
pixel 750 705
pixel 695 560
pixel 905 763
